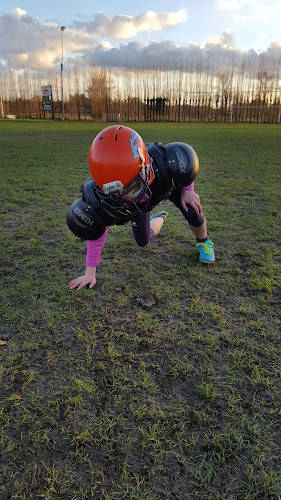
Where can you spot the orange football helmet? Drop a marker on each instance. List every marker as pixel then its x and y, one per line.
pixel 119 163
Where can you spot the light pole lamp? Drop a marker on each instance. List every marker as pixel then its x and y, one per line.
pixel 61 70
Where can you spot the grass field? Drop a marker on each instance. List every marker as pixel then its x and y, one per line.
pixel 105 399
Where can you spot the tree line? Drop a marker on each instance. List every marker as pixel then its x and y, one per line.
pixel 178 94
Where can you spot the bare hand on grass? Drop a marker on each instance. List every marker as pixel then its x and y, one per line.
pixel 89 278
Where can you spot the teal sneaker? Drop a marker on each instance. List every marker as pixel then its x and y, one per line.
pixel 162 214
pixel 206 251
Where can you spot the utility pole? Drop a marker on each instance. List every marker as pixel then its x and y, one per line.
pixel 61 70
pixel 2 108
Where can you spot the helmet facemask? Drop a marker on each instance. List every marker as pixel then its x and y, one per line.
pixel 125 199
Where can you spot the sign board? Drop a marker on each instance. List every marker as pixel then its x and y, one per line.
pixel 46 90
pixel 46 93
pixel 47 103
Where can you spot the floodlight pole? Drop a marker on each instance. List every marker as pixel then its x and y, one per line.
pixel 2 108
pixel 61 70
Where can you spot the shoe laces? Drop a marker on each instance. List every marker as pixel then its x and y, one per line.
pixel 207 246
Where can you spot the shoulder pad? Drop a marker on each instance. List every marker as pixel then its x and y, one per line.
pixel 163 182
pixel 183 163
pixel 83 220
pixel 156 151
pixel 88 193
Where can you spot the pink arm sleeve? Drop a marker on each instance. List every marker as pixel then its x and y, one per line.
pixel 190 187
pixel 94 250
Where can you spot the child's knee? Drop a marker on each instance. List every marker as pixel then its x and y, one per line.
pixel 143 238
pixel 142 242
pixel 193 218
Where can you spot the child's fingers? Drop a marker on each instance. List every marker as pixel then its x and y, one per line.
pixel 193 204
pixel 87 283
pixel 183 204
pixel 71 284
pixel 74 283
pixel 199 207
pixel 80 282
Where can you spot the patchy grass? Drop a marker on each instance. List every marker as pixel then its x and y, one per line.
pixel 104 399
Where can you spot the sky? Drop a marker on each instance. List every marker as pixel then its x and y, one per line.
pixel 114 34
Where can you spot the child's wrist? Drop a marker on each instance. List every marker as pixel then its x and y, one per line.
pixel 90 270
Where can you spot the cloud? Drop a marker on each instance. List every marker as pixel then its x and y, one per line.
pixel 237 5
pixel 217 50
pixel 28 42
pixel 254 10
pixel 226 40
pixel 121 27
